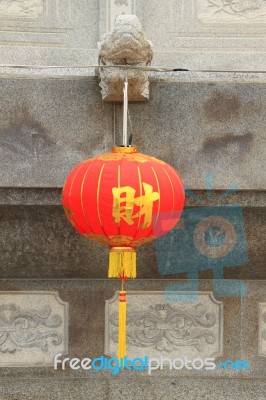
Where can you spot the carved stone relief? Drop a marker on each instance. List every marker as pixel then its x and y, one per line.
pixel 21 8
pixel 231 10
pixel 225 35
pixel 126 45
pixel 47 32
pixel 33 328
pixel 118 7
pixel 262 329
pixel 159 328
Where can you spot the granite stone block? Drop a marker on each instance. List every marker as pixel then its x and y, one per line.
pixel 204 34
pixel 262 329
pixel 191 325
pixel 49 125
pixel 61 33
pixel 194 34
pixel 39 242
pixel 42 389
pixel 191 389
pixel 43 141
pixel 53 196
pixel 86 300
pixel 74 389
pixel 33 328
pixel 253 328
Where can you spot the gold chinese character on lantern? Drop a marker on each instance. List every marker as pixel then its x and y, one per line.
pixel 124 202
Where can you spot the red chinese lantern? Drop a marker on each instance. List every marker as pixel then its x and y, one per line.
pixel 123 199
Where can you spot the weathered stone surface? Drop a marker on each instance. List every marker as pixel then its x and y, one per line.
pixel 86 300
pixel 152 389
pixel 262 329
pixel 196 34
pixel 211 128
pixel 30 196
pixel 73 389
pixel 42 136
pixel 207 34
pixel 43 242
pixel 191 389
pixel 126 45
pixel 110 9
pixel 33 328
pixel 250 326
pixel 226 12
pixel 39 242
pixel 48 32
pixel 175 328
pixel 238 266
pixel 199 122
pixel 53 197
pixel 36 146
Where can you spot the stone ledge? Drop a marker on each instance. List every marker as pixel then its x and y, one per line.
pixel 39 241
pixel 92 72
pixel 52 197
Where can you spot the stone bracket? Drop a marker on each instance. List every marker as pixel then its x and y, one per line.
pixel 126 45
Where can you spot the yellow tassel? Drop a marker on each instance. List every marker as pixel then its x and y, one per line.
pixel 122 315
pixel 122 262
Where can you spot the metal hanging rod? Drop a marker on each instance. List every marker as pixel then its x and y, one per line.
pixel 125 111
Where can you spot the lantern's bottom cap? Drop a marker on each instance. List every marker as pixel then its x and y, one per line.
pixel 122 249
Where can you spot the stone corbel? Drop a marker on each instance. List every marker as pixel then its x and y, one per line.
pixel 126 45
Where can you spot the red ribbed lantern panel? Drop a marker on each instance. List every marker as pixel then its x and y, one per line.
pixel 123 198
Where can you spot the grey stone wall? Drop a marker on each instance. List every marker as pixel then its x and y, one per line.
pixel 53 118
pixel 198 123
pixel 194 34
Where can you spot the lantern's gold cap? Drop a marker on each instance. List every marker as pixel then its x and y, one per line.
pixel 122 149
